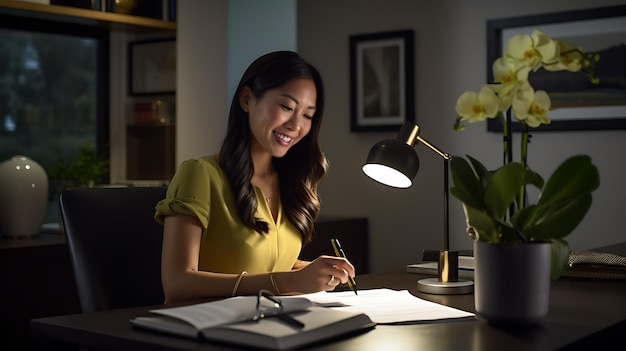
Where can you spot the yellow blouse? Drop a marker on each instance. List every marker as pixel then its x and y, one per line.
pixel 200 188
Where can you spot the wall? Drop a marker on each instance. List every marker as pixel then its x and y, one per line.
pixel 254 28
pixel 216 41
pixel 201 77
pixel 450 57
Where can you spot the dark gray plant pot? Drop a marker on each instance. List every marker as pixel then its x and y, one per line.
pixel 512 282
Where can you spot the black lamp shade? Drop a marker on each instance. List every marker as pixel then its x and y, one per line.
pixel 392 162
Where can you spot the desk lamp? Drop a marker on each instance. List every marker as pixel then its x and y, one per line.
pixel 394 162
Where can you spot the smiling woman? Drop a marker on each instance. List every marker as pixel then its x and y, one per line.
pixel 51 103
pixel 221 235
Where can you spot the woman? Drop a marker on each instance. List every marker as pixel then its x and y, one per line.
pixel 234 222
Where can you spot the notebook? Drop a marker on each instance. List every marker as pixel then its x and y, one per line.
pixel 231 321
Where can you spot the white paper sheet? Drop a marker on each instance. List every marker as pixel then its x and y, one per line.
pixel 386 306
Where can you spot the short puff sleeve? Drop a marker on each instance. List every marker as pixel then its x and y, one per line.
pixel 189 192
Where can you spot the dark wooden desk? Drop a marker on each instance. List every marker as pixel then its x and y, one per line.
pixel 578 309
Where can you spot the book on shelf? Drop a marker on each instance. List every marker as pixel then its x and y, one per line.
pixel 286 324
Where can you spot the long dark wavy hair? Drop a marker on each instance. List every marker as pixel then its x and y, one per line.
pixel 300 170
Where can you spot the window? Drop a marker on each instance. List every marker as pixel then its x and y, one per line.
pixel 53 90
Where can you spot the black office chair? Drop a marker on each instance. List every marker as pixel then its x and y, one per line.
pixel 115 245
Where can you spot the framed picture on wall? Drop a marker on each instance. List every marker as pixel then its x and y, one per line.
pixel 578 104
pixel 381 81
pixel 152 67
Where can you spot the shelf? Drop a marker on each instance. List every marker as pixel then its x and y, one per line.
pixel 150 151
pixel 82 16
pixel 136 126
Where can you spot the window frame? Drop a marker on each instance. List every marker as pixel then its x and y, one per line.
pixel 102 37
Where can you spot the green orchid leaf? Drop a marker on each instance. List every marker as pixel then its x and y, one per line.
pixel 574 177
pixel 560 255
pixel 463 197
pixel 533 178
pixel 523 219
pixel 480 170
pixel 502 187
pixel 467 187
pixel 482 223
pixel 487 197
pixel 562 221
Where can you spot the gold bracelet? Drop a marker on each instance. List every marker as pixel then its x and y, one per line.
pixel 274 285
pixel 237 282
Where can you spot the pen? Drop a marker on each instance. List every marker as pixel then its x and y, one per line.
pixel 290 320
pixel 340 253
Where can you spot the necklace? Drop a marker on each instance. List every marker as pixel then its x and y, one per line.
pixel 267 186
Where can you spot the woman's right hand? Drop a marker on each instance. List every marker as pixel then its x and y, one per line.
pixel 323 274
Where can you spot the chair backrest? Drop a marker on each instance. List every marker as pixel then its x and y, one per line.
pixel 114 245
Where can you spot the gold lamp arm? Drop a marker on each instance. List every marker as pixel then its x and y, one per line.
pixel 434 148
pixel 410 133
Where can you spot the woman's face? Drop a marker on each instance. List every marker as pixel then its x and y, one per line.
pixel 282 116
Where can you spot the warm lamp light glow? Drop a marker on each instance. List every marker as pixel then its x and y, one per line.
pixel 387 175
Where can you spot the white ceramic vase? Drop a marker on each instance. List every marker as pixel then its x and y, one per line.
pixel 23 197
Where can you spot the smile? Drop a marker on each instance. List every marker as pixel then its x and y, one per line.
pixel 283 139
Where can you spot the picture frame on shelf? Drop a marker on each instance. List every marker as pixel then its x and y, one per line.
pixel 381 80
pixel 577 103
pixel 152 67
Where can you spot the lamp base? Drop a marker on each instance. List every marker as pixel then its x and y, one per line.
pixel 435 286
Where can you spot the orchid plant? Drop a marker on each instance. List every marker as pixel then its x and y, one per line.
pixel 495 202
